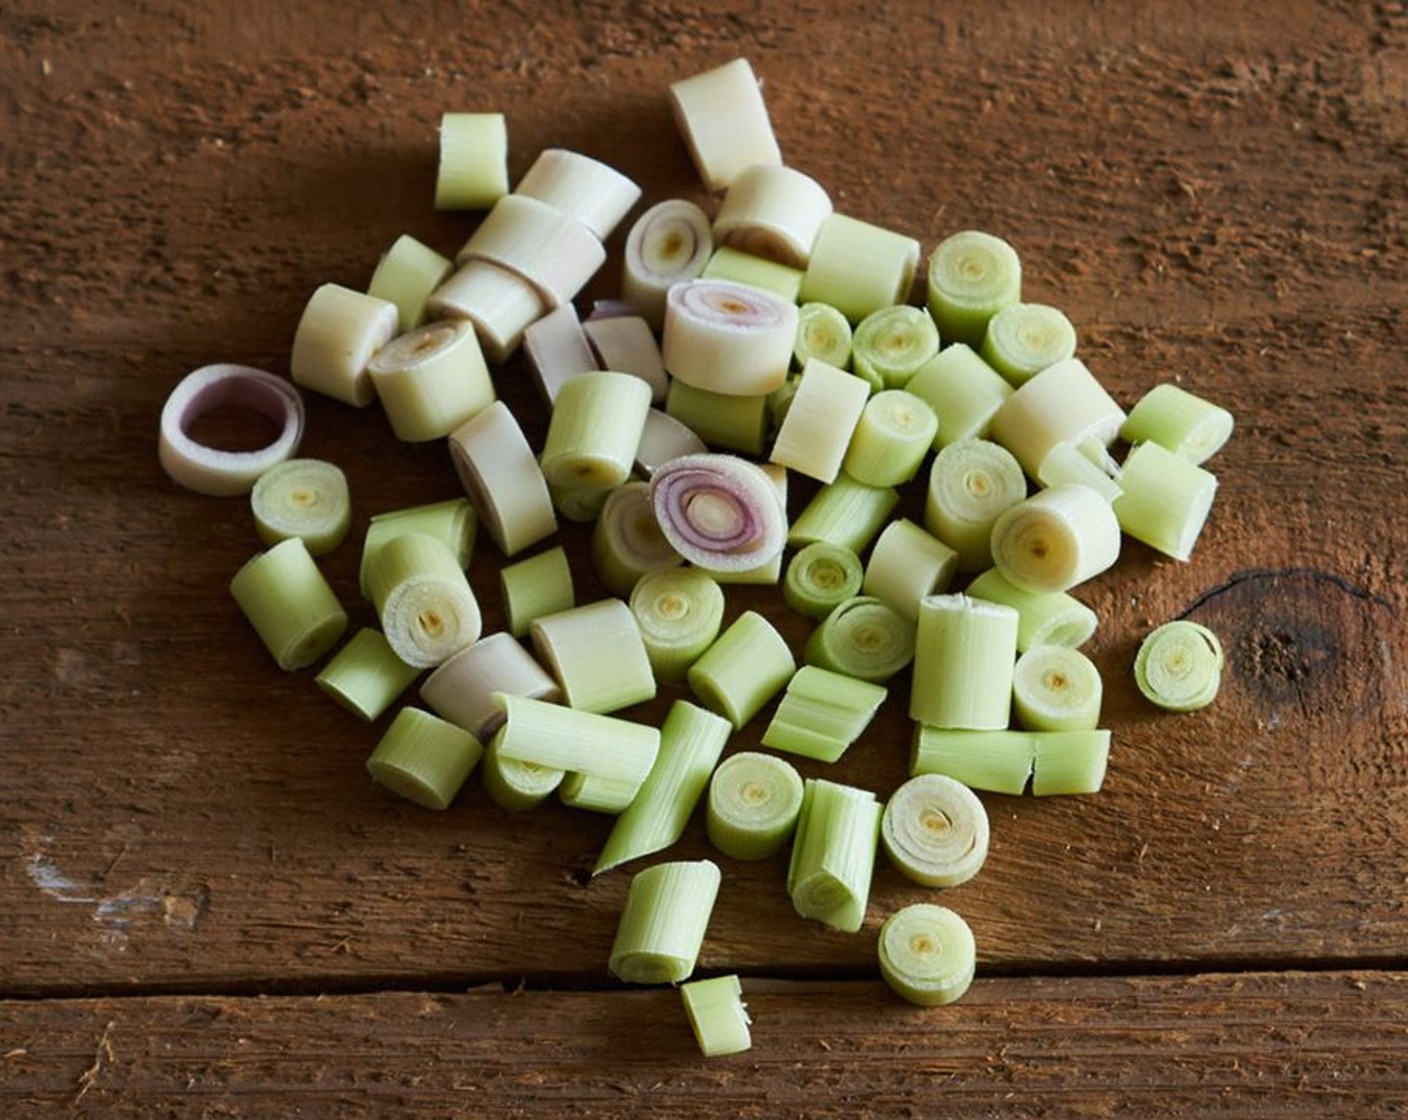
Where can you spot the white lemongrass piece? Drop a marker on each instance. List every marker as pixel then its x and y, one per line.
pixel 557 349
pixel 935 831
pixel 724 123
pixel 1044 618
pixel 599 746
pixel 594 429
pixel 625 343
pixel 516 786
pixel 1062 402
pixel 669 243
pixel 596 653
pixel 1176 419
pixel 907 564
pixel 473 170
pixel 1023 339
pixel 553 251
pixel 927 954
pixel 728 263
pixel 501 475
pixel 463 688
pixel 365 676
pixel 1066 462
pixel 1056 688
pixel 663 922
pixel 971 484
pixel 431 380
pixel 819 423
pixel 537 586
pixel 500 304
pixel 451 521
pixel 720 511
pixel 823 333
pixel 428 611
pixel 339 332
pixel 972 276
pixel 858 267
pixel 895 432
pixel 963 390
pixel 595 194
pixel 773 212
pixel 963 656
pixel 1165 501
pixel 1056 539
pixel 892 344
pixel 626 540
pixel 424 759
pixel 664 438
pixel 728 338
pixel 720 420
pixel 304 498
pixel 406 275
pixel 289 603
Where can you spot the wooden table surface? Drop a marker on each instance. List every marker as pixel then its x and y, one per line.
pixel 208 909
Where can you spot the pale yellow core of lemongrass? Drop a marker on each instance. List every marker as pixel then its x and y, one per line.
pixel 1053 680
pixel 645 529
pixel 727 304
pixel 755 793
pixel 978 483
pixel 431 341
pixel 922 945
pixel 870 637
pixel 826 574
pixel 1035 333
pixel 714 514
pixel 904 416
pixel 971 267
pixel 672 606
pixel 303 497
pixel 817 334
pixel 431 623
pixel 936 822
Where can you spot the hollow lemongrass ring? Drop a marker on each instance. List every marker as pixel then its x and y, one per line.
pixel 728 338
pixel 209 470
pixel 719 511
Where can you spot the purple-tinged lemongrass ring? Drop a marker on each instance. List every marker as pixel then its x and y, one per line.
pixel 719 511
pixel 728 338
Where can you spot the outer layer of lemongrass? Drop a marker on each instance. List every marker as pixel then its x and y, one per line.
pixel 595 426
pixel 963 656
pixel 907 564
pixel 724 123
pixel 738 267
pixel 289 603
pixel 728 338
pixel 517 786
pixel 1066 463
pixel 663 923
pixel 1070 762
pixel 574 741
pixel 1174 418
pixel 431 380
pixel 780 401
pixel 1166 499
pixel 305 498
pixel 451 522
pixel 536 586
pixel 473 170
pixel 935 831
pixel 844 512
pixel 339 332
pixel 625 343
pixel 895 432
pixel 406 275
pixel 858 267
pixel 500 304
pixel 821 576
pixel 863 637
pixel 557 348
pixel 773 212
pixel 822 333
pixel 1023 339
pixel 719 511
pixel 754 799
pixel 424 759
pixel 365 676
pixel 1179 666
pixel 1043 618
pixel 833 854
pixel 822 713
pixel 963 390
pixel 578 503
pixel 745 668
pixel 1056 688
pixel 679 612
pixel 501 475
pixel 428 611
pixel 972 276
pixel 463 689
pixel 719 419
pixel 927 954
pixel 596 653
pixel 820 421
pixel 595 794
pixel 1063 402
pixel 627 541
pixel 553 251
pixel 669 243
pixel 1056 539
pixel 583 188
pixel 691 742
pixel 664 438
pixel 999 761
pixel 717 1015
pixel 892 344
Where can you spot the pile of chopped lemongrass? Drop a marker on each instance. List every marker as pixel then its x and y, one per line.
pixel 773 338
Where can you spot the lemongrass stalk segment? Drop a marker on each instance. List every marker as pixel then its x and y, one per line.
pixel 463 689
pixel 963 390
pixel 663 438
pixel 473 169
pixel 594 429
pixel 1179 666
pixel 553 251
pixel 1056 539
pixel 406 275
pixel 1056 688
pixel 724 123
pixel 863 637
pixel 432 380
pixel 822 713
pixel 537 586
pixel 305 498
pixel 557 348
pixel 583 188
pixel 500 303
pixel 501 475
pixel 858 267
pixel 738 267
pixel 728 338
pixel 833 854
pixel 423 599
pixel 927 954
pixel 1165 500
pixel 289 603
pixel 1023 339
pixel 575 741
pixel 679 612
pixel 338 334
pixel 844 512
pixel 1063 402
pixel 770 571
pixel 1180 421
pixel 424 759
pixel 578 503
pixel 972 276
pixel 907 564
pixel 627 541
pixel 745 668
pixel 596 654
pixel 663 923
pixel 717 1015
pixel 780 401
pixel 895 432
pixel 1043 618
pixel 892 344
pixel 820 421
pixel 935 831
pixel 999 761
pixel 365 676
pixel 754 799
pixel 820 576
pixel 452 522
pixel 773 212
pixel 1066 462
pixel 719 419
pixel 625 343
pixel 963 658
pixel 669 243
pixel 517 786
pixel 1070 762
pixel 822 333
pixel 596 794
pixel 719 511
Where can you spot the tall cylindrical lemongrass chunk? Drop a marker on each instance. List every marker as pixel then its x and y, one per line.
pixel 907 564
pixel 1023 339
pixel 1088 464
pixel 820 421
pixel 500 304
pixel 863 637
pixel 935 831
pixel 754 799
pixel 626 540
pixel 1069 762
pixel 745 668
pixel 844 512
pixel 664 438
pixel 1063 402
pixel 927 954
pixel 728 338
pixel 557 348
pixel 895 432
pixel 406 275
pixel 463 689
pixel 1165 500
pixel 339 332
pixel 1186 424
pixel 773 212
pixel 424 759
pixel 719 511
pixel 1000 761
pixel 365 676
pixel 1179 666
pixel 290 605
pixel 972 276
pixel 892 344
pixel 304 498
pixel 537 586
pixel 727 263
pixel 663 923
pixel 516 786
pixel 820 577
pixel 679 612
pixel 451 522
pixel 583 188
pixel 1043 618
pixel 431 380
pixel 822 333
pixel 858 267
pixel 669 243
pixel 553 251
pixel 576 742
pixel 963 390
pixel 625 343
pixel 720 420
pixel 423 599
pixel 594 429
pixel 822 713
pixel 501 475
pixel 596 653
pixel 1056 688
pixel 724 123
pixel 1056 539
pixel 473 170
pixel 717 1015
pixel 833 854
pixel 964 651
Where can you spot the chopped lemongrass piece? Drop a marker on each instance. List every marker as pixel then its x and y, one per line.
pixel 745 668
pixel 596 653
pixel 1023 339
pixel 719 511
pixel 1166 499
pixel 972 276
pixel 728 338
pixel 1066 462
pixel 844 512
pixel 1179 666
pixel 833 854
pixel 679 612
pixel 1056 688
pixel 1043 618
pixel 514 785
pixel 1056 539
pixel 663 923
pixel 339 332
pixel 365 676
pixel 935 831
pixel 473 170
pixel 892 344
pixel 305 498
pixel 895 432
pixel 595 426
pixel 819 577
pixel 406 275
pixel 717 1015
pixel 858 267
pixel 424 759
pixel 773 212
pixel 754 799
pixel 820 422
pixel 664 438
pixel 560 738
pixel 1187 425
pixel 501 475
pixel 963 656
pixel 720 420
pixel 627 541
pixel 538 586
pixel 553 251
pixel 289 603
pixel 463 689
pixel 822 713
pixel 822 333
pixel 557 348
pixel 1000 761
pixel 586 189
pixel 907 564
pixel 625 343
pixel 423 599
pixel 862 637
pixel 721 115
pixel 691 741
pixel 432 380
pixel 578 503
pixel 500 303
pixel 1063 402
pixel 596 794
pixel 670 242
pixel 1070 762
pixel 739 267
pixel 963 390
pixel 927 954
pixel 451 522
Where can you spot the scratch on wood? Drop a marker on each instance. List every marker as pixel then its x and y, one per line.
pixel 103 1050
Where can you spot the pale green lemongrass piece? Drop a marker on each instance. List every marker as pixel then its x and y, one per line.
pixel 594 193
pixel 963 390
pixel 578 503
pixel 823 333
pixel 365 676
pixel 773 212
pixel 691 742
pixel 1043 618
pixel 858 267
pixel 626 540
pixel 721 116
pixel 663 923
pixel 817 429
pixel 596 794
pixel 754 799
pixel 670 242
pixel 844 512
pixel 1063 402
pixel 935 831
pixel 720 419
pixel 907 564
pixel 305 498
pixel 999 761
pixel 819 577
pixel 556 349
pixel 501 475
pixel 963 656
pixel 863 637
pixel 626 344
pixel 406 275
pixel 1181 421
pixel 895 432
pixel 833 854
pixel 500 303
pixel 1056 688
pixel 780 401
pixel 727 337
pixel 431 380
pixel 1023 339
pixel 972 276
pixel 1056 539
pixel 595 427
pixel 892 344
pixel 664 438
pixel 1066 462
pixel 606 747
pixel 745 668
pixel 424 759
pixel 822 713
pixel 427 609
pixel 1166 499
pixel 552 250
pixel 289 603
pixel 927 954
pixel 339 332
pixel 738 267
pixel 596 653
pixel 463 689
pixel 452 522
pixel 1070 762
pixel 717 1015
pixel 538 586
pixel 971 484
pixel 679 612
pixel 1179 666
pixel 473 168
pixel 514 785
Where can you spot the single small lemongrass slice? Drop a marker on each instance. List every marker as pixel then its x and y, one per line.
pixel 1023 339
pixel 1179 666
pixel 927 954
pixel 1056 688
pixel 822 333
pixel 670 242
pixel 820 576
pixel 1165 500
pixel 663 923
pixel 664 438
pixel 289 603
pixel 822 713
pixel 1066 462
pixel 463 689
pixel 717 1015
pixel 500 304
pixel 209 470
pixel 626 344
pixel 820 421
pixel 406 275
pixel 863 637
pixel 423 599
pixel 1062 402
pixel 594 429
pixel 719 419
pixel 972 276
pixel 907 564
pixel 501 475
pixel 679 612
pixel 431 380
pixel 935 831
pixel 557 348
pixel 1000 761
pixel 1043 618
pixel 963 390
pixel 745 668
pixel 892 344
pixel 596 653
pixel 738 267
pixel 844 512
pixel 514 785
pixel 339 332
pixel 691 741
pixel 597 795
pixel 451 522
pixel 724 123
pixel 769 572
pixel 963 656
pixel 537 586
pixel 858 267
pixel 627 541
pixel 754 799
pixel 586 189
pixel 304 498
pixel 553 251
pixel 1070 762
pixel 568 739
pixel 424 759
pixel 719 511
pixel 578 503
pixel 1174 418
pixel 773 212
pixel 728 338
pixel 895 432
pixel 365 676
pixel 1056 539
pixel 473 169
pixel 833 854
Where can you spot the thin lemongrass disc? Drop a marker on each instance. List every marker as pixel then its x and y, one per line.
pixel 935 831
pixel 927 954
pixel 891 344
pixel 304 498
pixel 820 577
pixel 717 1015
pixel 1024 338
pixel 719 511
pixel 822 333
pixel 864 637
pixel 1056 688
pixel 972 276
pixel 679 612
pixel 670 242
pixel 1179 666
pixel 753 803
